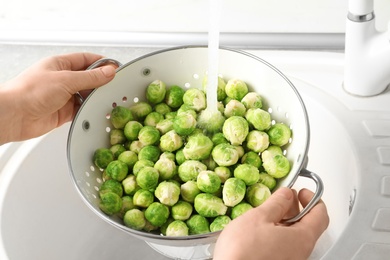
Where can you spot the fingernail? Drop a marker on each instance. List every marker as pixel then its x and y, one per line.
pixel 285 192
pixel 108 71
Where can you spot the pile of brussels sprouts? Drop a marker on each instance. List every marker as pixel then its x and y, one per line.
pixel 174 172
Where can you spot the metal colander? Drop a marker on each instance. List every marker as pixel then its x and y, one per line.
pixel 186 67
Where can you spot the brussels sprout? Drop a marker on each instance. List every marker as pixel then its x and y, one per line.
pixel 174 96
pixel 195 98
pixel 168 155
pixel 234 108
pixel 117 136
pixel 252 158
pixel 153 119
pixel 149 135
pixel 128 157
pixel 135 219
pixel 198 224
pixel 223 173
pixel 258 118
pixel 140 164
pixel 257 141
pixel 163 228
pixel 240 150
pixel 136 146
pixel 240 209
pixel 218 138
pixel 248 173
pixel 208 181
pixel 162 108
pixel 143 198
pixel 157 214
pixel 171 141
pixel 167 193
pixel 275 164
pixel 111 186
pixel 132 129
pixel 198 147
pixel 209 206
pixel 236 89
pixel 179 156
pixel 182 210
pixel 219 223
pixel 140 110
pixel 267 180
pixel 210 163
pixel 233 191
pixel 171 115
pixel 226 100
pixel 177 228
pixel 221 94
pixel 147 178
pixel 117 149
pixel 274 149
pixel 127 204
pixel 117 170
pixel 110 203
pixel 184 124
pixel 130 185
pixel 235 129
pixel 166 168
pixel 149 227
pixel 189 170
pixel 189 190
pixel 149 152
pixel 155 92
pixel 252 100
pixel 279 134
pixel 183 109
pixel 165 125
pixel 225 154
pixel 102 157
pixel 210 121
pixel 257 194
pixel 120 116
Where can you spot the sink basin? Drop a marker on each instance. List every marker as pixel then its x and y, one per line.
pixel 41 212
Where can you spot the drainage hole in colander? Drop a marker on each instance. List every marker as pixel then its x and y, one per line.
pixel 195 76
pixel 108 116
pixel 96 188
pixel 108 129
pixel 136 100
pixel 86 125
pixel 146 71
pixel 286 115
pixel 87 174
pixel 124 99
pixel 92 168
pixel 187 85
pixel 270 110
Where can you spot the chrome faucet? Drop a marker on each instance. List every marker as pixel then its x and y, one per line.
pixel 367 52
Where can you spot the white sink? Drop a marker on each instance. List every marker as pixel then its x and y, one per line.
pixel 43 217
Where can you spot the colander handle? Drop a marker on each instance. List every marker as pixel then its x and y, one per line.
pixel 317 195
pixel 94 65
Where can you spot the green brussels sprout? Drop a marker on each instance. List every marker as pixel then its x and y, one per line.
pixel 219 223
pixel 267 180
pixel 171 141
pixel 223 173
pixel 240 209
pixel 143 198
pixel 189 170
pixel 210 121
pixel 184 124
pixel 257 194
pixel 218 138
pixel 248 173
pixel 274 149
pixel 234 108
pixel 174 96
pixel 167 168
pixel 130 185
pixel 177 228
pixel 182 210
pixel 111 186
pixel 236 89
pixel 235 129
pixel 163 228
pixel 149 227
pixel 252 158
pixel 117 170
pixel 186 109
pixel 258 118
pixel 155 92
pixel 189 190
pixel 165 126
pixel 132 129
pixel 198 224
pixel 141 164
pixel 117 149
pixel 179 156
pixel 208 181
pixel 167 193
pixel 102 157
pixel 240 150
pixel 225 154
pixel 120 116
pixel 221 94
pixel 127 204
pixel 162 108
pixel 233 191
pixel 110 203
pixel 257 141
pixel 252 100
pixel 226 100
pixel 171 115
pixel 168 155
pixel 128 157
pixel 210 163
pixel 157 214
pixel 147 178
pixel 136 146
pixel 135 219
pixel 209 206
pixel 195 98
pixel 141 109
pixel 153 119
pixel 275 164
pixel 198 147
pixel 149 152
pixel 279 134
pixel 117 136
pixel 149 135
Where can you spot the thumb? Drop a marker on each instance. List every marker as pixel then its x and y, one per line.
pixel 278 205
pixel 90 79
